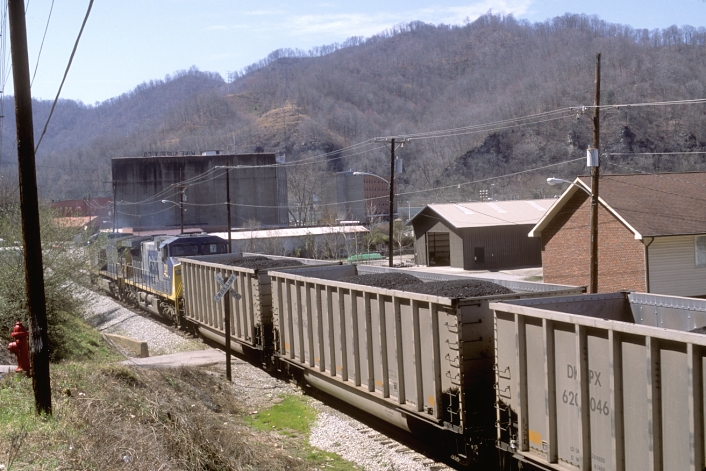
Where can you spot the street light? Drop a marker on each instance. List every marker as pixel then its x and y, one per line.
pixel 181 211
pixel 392 204
pixel 372 175
pixel 593 272
pixel 559 181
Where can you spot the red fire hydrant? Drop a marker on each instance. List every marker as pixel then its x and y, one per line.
pixel 20 347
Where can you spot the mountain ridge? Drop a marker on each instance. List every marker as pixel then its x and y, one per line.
pixel 414 78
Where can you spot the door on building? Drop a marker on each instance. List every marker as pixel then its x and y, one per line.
pixel 479 258
pixel 438 249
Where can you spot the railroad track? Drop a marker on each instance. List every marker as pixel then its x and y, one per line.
pixel 401 448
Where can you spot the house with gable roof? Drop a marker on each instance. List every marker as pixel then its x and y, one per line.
pixel 486 235
pixel 651 234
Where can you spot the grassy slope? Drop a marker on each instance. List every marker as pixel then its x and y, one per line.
pixel 108 416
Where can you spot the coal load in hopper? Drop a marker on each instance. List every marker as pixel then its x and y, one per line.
pixel 258 263
pixel 470 288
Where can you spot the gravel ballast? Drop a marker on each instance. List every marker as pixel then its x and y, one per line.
pixel 107 316
pixel 333 431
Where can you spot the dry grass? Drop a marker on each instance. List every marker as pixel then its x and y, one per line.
pixel 289 115
pixel 118 418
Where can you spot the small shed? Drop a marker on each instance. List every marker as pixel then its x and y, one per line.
pixel 488 235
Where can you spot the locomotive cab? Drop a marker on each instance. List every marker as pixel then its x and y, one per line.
pixel 174 247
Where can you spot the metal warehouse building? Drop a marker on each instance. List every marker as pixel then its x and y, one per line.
pixel 487 235
pixel 147 191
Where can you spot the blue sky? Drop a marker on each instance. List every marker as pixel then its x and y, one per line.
pixel 127 42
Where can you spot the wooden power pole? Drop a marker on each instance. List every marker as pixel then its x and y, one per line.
pixel 390 245
pixel 595 171
pixel 29 202
pixel 401 142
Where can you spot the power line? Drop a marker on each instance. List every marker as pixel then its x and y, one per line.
pixel 364 200
pixel 610 154
pixel 66 73
pixel 498 128
pixel 529 119
pixel 493 178
pixel 46 28
pixel 637 105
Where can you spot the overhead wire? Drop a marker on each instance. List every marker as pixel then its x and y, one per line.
pixel 41 46
pixel 397 194
pixel 66 73
pixel 649 103
pixel 609 154
pixel 187 183
pixel 486 127
pixel 498 128
pixel 491 125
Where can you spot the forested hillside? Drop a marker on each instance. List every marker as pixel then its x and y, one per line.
pixel 417 78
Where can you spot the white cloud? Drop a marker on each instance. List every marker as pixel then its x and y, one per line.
pixel 456 15
pixel 345 25
pixel 264 12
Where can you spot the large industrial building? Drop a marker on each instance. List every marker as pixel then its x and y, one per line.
pixel 148 191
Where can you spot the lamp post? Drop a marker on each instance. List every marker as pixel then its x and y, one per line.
pixel 391 217
pixel 593 195
pixel 181 209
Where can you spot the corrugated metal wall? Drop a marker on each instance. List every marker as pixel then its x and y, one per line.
pixel 673 268
pixel 256 190
pixel 434 224
pixel 504 247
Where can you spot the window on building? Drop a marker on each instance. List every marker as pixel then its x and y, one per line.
pixel 700 249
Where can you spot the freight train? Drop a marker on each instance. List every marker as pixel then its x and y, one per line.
pixel 145 270
pixel 487 375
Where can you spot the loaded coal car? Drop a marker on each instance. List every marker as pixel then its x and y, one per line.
pixel 251 315
pixel 416 354
pixel 607 382
pixel 146 270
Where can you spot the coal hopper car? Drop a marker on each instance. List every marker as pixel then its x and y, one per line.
pixel 422 362
pixel 251 314
pixel 608 382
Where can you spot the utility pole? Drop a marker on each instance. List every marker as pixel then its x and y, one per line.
pixel 392 188
pixel 392 199
pixel 228 202
pixel 594 163
pixel 114 209
pixel 182 188
pixel 29 204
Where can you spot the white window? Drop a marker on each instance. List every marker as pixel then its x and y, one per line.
pixel 700 249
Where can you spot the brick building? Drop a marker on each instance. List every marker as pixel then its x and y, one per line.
pixel 101 207
pixel 651 234
pixel 362 197
pixel 97 211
